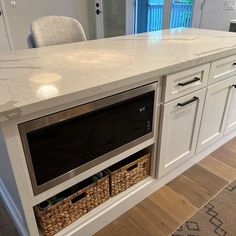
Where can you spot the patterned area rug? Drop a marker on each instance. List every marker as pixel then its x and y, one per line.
pixel 218 217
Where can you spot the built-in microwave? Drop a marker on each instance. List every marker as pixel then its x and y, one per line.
pixel 62 145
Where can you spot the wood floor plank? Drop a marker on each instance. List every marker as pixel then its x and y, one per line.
pixel 136 223
pixel 206 179
pixel 175 204
pixel 195 194
pixel 122 226
pixel 226 156
pixel 7 227
pixel 231 144
pixel 128 224
pixel 164 223
pixel 219 168
pixel 116 228
pixel 144 219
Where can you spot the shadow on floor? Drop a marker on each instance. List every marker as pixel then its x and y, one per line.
pixel 7 227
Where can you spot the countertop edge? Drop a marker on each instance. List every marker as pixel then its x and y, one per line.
pixel 108 89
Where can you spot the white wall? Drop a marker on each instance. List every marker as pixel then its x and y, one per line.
pixel 21 15
pixel 213 15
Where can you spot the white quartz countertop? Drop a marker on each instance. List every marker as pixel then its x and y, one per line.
pixel 35 79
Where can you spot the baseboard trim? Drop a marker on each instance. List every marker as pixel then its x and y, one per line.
pixel 13 210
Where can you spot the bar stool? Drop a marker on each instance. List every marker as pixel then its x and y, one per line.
pixel 54 30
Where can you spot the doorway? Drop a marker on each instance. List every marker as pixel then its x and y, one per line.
pixel 114 17
pixel 155 15
pixel 122 17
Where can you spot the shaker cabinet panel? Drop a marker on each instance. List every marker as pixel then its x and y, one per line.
pixel 215 113
pixel 180 127
pixel 186 82
pixel 222 69
pixel 231 118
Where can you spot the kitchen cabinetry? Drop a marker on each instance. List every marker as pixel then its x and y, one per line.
pixel 216 108
pixel 180 126
pixel 222 69
pixel 195 70
pixel 231 119
pixel 185 82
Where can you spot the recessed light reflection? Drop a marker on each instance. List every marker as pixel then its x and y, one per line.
pixel 45 78
pixel 47 91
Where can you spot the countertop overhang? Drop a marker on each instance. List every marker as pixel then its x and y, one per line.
pixel 34 79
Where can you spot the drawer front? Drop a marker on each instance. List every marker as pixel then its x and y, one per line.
pixel 222 69
pixel 185 82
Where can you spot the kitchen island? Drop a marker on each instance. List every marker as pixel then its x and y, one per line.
pixel 194 114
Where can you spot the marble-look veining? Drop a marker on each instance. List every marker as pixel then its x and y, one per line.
pixel 32 78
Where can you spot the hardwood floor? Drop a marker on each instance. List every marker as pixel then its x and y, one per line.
pixel 165 210
pixel 7 227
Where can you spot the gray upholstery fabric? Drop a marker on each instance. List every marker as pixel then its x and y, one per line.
pixel 53 30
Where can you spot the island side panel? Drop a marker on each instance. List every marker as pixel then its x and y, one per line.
pixel 14 149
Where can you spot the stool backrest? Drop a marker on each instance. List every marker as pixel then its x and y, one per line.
pixel 53 30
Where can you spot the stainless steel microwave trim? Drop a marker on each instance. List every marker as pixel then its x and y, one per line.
pixel 58 117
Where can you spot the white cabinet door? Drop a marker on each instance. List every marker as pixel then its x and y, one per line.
pixel 231 119
pixel 180 127
pixel 215 113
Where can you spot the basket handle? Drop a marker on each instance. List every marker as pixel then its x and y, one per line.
pixel 132 167
pixel 77 198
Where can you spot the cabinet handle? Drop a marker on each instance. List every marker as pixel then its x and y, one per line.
pixel 188 102
pixel 234 85
pixel 234 64
pixel 189 82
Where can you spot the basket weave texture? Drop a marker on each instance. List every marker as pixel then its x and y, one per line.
pixel 130 174
pixel 62 214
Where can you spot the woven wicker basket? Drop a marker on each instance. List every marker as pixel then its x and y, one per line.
pixel 62 214
pixel 129 172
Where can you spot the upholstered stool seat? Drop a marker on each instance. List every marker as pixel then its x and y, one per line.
pixel 53 30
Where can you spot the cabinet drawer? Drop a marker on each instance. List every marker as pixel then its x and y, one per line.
pixel 222 69
pixel 185 82
pixel 180 127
